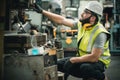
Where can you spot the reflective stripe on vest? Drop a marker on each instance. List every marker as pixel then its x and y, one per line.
pixel 87 38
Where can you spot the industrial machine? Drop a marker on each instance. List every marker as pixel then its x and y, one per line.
pixel 24 67
pixel 21 42
pixel 19 61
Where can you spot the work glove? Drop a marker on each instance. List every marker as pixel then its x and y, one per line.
pixel 37 8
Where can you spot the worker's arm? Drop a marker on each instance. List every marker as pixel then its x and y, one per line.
pixel 54 17
pixel 58 19
pixel 92 57
pixel 96 52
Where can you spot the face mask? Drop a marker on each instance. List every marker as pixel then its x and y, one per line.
pixel 87 20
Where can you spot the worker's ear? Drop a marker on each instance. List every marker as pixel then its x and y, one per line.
pixel 93 18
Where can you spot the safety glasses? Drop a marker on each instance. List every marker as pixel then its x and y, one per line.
pixel 87 11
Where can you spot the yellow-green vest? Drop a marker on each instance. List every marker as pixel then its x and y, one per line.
pixel 87 36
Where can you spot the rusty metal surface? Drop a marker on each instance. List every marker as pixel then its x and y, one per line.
pixel 29 68
pixel 21 42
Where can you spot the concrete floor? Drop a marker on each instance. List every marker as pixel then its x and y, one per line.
pixel 113 72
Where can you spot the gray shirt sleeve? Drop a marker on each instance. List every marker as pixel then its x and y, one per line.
pixel 100 41
pixel 75 23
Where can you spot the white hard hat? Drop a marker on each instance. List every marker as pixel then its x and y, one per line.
pixel 95 7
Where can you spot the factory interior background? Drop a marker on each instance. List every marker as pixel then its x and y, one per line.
pixel 18 60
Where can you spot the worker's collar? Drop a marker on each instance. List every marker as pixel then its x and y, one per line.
pixel 88 26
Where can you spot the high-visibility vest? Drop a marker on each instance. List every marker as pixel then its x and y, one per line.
pixel 86 38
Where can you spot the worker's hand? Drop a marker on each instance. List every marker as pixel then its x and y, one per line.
pixel 37 8
pixel 74 59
